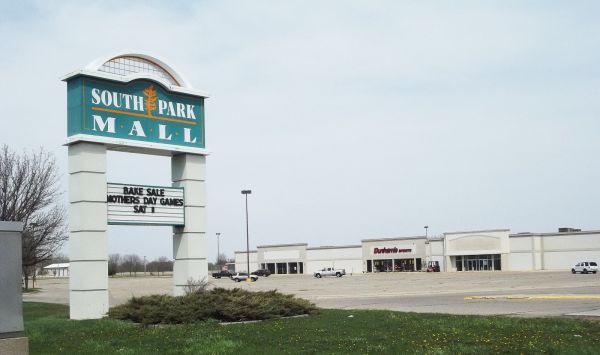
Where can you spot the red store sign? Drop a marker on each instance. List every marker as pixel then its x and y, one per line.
pixel 393 250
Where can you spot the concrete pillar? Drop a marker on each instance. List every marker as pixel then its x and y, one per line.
pixel 189 242
pixel 504 263
pixel 12 335
pixel 88 281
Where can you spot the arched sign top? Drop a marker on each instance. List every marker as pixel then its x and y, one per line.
pixel 134 64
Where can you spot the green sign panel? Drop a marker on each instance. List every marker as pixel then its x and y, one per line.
pixel 141 111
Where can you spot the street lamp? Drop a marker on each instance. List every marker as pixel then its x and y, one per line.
pixel 246 193
pixel 426 241
pixel 218 251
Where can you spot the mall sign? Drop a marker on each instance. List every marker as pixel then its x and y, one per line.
pixel 137 111
pixel 134 103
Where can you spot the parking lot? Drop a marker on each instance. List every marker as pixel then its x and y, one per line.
pixel 509 293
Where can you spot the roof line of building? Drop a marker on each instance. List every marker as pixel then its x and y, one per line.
pixel 479 231
pixel 547 234
pixel 524 234
pixel 394 238
pixel 281 245
pixel 334 247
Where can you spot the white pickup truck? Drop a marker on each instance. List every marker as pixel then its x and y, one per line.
pixel 329 271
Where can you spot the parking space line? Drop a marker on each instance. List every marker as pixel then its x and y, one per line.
pixel 536 297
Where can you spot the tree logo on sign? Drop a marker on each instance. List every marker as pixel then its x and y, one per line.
pixel 151 97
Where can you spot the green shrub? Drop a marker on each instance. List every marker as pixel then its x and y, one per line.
pixel 227 305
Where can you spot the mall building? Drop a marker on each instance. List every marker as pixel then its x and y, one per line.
pixel 483 250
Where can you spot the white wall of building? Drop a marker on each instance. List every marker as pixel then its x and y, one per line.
pixel 563 250
pixel 553 251
pixel 564 260
pixel 525 253
pixel 435 252
pixel 519 252
pixel 276 255
pixel 346 258
pixel 241 263
pixel 484 242
pixel 477 242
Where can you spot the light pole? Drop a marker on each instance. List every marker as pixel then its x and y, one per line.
pixel 218 251
pixel 246 193
pixel 426 241
pixel 144 265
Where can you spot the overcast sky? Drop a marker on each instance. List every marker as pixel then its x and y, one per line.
pixel 347 119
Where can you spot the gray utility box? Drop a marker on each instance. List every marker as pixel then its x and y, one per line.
pixel 12 338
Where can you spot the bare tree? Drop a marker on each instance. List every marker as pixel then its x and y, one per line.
pixel 29 193
pixel 159 265
pixel 222 260
pixel 164 264
pixel 196 286
pixel 114 261
pixel 59 258
pixel 132 263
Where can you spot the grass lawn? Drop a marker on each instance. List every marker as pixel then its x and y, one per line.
pixel 332 331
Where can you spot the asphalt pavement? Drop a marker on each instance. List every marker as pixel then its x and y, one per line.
pixel 528 294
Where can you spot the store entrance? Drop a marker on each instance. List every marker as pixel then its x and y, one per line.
pixel 284 268
pixel 485 262
pixel 270 267
pixel 385 265
pixel 394 265
pixel 296 268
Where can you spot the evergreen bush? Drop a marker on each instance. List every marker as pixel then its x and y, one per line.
pixel 226 305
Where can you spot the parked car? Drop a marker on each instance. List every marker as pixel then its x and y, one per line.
pixel 329 271
pixel 585 266
pixel 261 272
pixel 223 273
pixel 241 276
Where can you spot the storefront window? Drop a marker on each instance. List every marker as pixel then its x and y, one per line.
pixel 285 268
pixel 486 262
pixel 497 262
pixel 404 265
pixel 282 268
pixel 385 265
pixel 293 268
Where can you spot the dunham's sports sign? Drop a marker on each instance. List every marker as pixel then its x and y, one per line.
pixel 394 250
pixel 138 111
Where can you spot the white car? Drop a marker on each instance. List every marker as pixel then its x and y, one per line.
pixel 329 271
pixel 242 276
pixel 584 267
